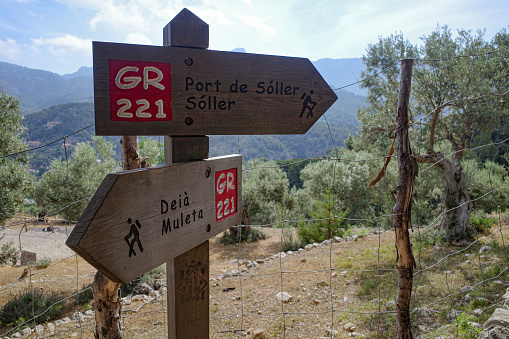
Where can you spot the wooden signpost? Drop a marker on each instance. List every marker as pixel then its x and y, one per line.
pixel 153 90
pixel 139 219
pixel 155 214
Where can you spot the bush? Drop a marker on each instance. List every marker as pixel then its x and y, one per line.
pixel 42 264
pixel 85 295
pixel 480 223
pixel 8 253
pixel 290 242
pixel 247 234
pixel 19 309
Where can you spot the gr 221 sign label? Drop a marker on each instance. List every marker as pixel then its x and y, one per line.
pixel 140 91
pixel 226 193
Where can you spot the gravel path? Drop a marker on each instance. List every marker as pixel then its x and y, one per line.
pixel 46 245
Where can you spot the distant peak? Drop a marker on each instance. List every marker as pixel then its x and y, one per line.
pixel 239 50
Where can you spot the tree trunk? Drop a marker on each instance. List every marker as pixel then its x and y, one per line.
pixel 107 308
pixel 458 206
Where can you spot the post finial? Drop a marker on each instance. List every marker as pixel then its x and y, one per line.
pixel 186 30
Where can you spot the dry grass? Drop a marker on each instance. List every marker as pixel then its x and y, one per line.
pixel 352 289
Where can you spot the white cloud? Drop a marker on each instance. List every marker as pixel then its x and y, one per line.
pixel 65 45
pixel 266 32
pixel 9 48
pixel 137 38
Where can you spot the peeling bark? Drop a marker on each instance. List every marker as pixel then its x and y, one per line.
pixel 408 169
pixel 108 308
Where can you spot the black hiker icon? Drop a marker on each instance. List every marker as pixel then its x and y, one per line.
pixel 136 237
pixel 308 104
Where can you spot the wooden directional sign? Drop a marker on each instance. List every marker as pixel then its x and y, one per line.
pixel 151 90
pixel 140 219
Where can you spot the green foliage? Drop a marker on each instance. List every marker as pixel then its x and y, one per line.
pixel 247 234
pixel 42 264
pixel 29 304
pixel 85 295
pixel 328 222
pixel 151 150
pixel 8 253
pixel 14 176
pixel 465 328
pixel 290 241
pixel 77 179
pixel 265 191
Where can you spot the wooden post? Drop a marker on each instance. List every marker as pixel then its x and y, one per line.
pixel 408 169
pixel 108 306
pixel 187 274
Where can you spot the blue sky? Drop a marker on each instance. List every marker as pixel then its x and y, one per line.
pixel 56 35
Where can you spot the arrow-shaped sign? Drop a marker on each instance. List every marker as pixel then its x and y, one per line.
pixel 151 90
pixel 140 219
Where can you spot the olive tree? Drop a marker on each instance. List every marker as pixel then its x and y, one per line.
pixel 459 89
pixel 15 179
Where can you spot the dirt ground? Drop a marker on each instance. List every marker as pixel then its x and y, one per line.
pixel 324 283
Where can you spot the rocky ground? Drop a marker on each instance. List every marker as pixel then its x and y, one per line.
pixel 256 291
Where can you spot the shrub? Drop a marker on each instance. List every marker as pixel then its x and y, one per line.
pixel 85 295
pixel 247 234
pixel 8 253
pixel 42 264
pixel 480 223
pixel 149 278
pixel 290 241
pixel 19 309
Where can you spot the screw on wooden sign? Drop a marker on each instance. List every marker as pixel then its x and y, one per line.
pixel 153 90
pixel 140 219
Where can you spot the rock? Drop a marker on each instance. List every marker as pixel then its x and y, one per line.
pixel 16 335
pixel 453 314
pixel 477 312
pixel 474 324
pixel 258 334
pixel 284 297
pixel 303 260
pixel 260 261
pixel 127 300
pixel 39 330
pixel 485 249
pixel 140 297
pixel 499 318
pixel 466 289
pixel 325 242
pixel 145 289
pixel 26 332
pixel 308 247
pixel 467 298
pixel 251 264
pixel 494 332
pixel 331 333
pixel 154 294
pixel 322 283
pixel 90 313
pixel 289 252
pixel 353 334
pixel 301 250
pixel 59 322
pixel 315 302
pixel 338 239
pixel 235 273
pixel 78 316
pixel 349 327
pixel 234 261
pixel 28 257
pixel 51 328
pixel 158 283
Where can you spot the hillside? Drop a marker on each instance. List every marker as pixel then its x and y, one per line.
pixel 60 120
pixel 42 89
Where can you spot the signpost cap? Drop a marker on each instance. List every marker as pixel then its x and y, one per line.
pixel 186 30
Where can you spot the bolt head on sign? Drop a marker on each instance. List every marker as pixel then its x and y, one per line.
pixel 140 219
pixel 152 90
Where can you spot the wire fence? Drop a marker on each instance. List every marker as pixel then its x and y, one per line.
pixel 343 286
